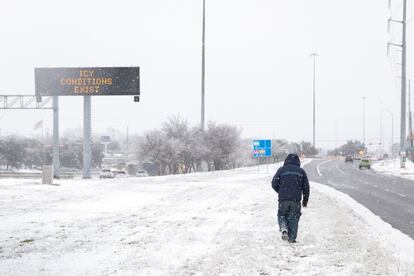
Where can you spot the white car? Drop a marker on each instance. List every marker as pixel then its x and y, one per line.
pixel 142 173
pixel 121 173
pixel 106 173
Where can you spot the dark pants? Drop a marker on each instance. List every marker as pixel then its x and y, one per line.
pixel 288 217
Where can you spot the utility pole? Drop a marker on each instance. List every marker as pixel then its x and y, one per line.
pixel 403 86
pixel 403 46
pixel 203 67
pixel 314 55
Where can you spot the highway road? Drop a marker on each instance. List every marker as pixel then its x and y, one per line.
pixel 390 197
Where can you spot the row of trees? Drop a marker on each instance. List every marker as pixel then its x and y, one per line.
pixel 16 152
pixel 174 148
pixel 281 148
pixel 20 152
pixel 352 147
pixel 179 148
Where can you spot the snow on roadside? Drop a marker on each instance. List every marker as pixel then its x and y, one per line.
pixel 202 224
pixel 392 167
pixel 400 244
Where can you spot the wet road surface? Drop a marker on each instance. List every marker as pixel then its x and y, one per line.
pixel 390 197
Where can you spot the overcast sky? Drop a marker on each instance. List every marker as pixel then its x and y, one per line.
pixel 258 64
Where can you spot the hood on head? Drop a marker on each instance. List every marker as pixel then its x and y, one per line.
pixel 292 159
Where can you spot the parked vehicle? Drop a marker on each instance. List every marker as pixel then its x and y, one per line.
pixel 348 158
pixel 142 173
pixel 121 173
pixel 365 163
pixel 106 173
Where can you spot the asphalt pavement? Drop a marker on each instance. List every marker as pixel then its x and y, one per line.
pixel 389 197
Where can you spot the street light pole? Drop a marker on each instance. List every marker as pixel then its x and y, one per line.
pixel 363 122
pixel 203 68
pixel 314 55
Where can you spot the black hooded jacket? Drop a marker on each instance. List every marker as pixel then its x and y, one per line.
pixel 291 181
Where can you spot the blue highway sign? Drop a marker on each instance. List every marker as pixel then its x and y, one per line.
pixel 262 148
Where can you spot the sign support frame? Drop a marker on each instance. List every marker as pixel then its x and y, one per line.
pixel 31 102
pixel 55 147
pixel 87 150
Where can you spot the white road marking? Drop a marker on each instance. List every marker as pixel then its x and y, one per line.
pixel 318 168
pixel 401 195
pixel 341 171
pixel 306 161
pixel 376 186
pixel 364 182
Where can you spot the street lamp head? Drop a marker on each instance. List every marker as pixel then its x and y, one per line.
pixel 314 55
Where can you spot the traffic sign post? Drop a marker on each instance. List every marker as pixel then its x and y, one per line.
pixel 106 140
pixel 262 148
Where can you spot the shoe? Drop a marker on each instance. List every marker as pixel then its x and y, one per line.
pixel 285 236
pixel 292 241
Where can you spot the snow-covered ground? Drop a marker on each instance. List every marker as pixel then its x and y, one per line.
pixel 392 167
pixel 218 223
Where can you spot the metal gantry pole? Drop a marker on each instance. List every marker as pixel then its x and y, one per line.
pixel 203 67
pixel 55 150
pixel 87 149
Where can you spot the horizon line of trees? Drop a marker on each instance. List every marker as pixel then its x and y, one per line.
pixel 174 148
pixel 21 152
pixel 178 148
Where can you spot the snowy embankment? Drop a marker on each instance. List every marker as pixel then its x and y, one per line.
pixel 207 224
pixel 392 167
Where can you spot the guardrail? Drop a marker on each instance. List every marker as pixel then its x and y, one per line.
pixel 30 175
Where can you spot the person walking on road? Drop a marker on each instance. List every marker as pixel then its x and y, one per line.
pixel 290 182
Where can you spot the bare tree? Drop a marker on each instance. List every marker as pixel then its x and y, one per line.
pixel 151 148
pixel 222 142
pixel 177 148
pixel 280 149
